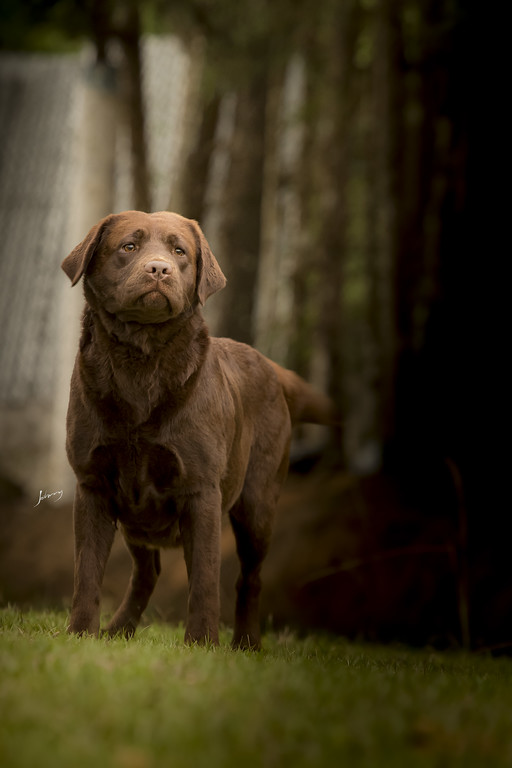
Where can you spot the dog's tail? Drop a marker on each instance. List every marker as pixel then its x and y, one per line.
pixel 305 403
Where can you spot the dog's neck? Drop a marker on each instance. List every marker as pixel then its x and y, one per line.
pixel 144 366
pixel 145 339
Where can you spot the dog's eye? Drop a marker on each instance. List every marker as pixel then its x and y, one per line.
pixel 179 251
pixel 128 247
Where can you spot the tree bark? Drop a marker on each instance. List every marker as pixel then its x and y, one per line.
pixel 334 167
pixel 239 238
pixel 130 37
pixel 201 116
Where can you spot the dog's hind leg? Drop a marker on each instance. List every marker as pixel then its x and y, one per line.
pixel 252 546
pixel 252 518
pixel 145 572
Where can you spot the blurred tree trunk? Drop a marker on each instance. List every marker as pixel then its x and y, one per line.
pixel 307 353
pixel 129 33
pixel 428 158
pixel 101 102
pixel 333 168
pixel 202 106
pixel 282 218
pixel 239 237
pixel 189 199
pixel 382 202
pixel 268 327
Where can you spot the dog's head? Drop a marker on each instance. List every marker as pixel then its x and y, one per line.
pixel 146 267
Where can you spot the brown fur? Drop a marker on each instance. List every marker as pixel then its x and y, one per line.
pixel 169 428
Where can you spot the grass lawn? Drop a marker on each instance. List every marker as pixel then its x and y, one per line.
pixel 319 701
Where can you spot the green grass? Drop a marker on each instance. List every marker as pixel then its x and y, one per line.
pixel 152 701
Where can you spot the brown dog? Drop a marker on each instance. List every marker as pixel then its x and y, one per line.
pixel 168 428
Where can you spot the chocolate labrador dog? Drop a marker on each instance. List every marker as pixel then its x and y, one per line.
pixel 168 428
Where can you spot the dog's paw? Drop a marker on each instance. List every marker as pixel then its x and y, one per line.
pixel 246 642
pixel 119 629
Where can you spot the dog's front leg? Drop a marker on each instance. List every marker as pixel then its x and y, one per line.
pixel 200 525
pixel 94 533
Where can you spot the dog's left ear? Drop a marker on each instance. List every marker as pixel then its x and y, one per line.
pixel 210 277
pixel 78 260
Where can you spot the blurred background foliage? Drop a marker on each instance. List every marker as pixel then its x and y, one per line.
pixel 327 150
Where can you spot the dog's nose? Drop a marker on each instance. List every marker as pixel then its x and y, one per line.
pixel 158 269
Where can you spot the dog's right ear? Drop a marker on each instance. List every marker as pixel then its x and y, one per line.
pixel 75 265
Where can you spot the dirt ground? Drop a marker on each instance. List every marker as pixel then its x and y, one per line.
pixel 346 556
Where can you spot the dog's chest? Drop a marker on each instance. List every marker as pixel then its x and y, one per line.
pixel 143 479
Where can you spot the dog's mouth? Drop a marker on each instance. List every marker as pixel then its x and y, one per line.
pixel 154 297
pixel 150 307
